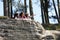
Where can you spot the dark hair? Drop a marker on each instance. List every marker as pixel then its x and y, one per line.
pixel 21 14
pixel 16 15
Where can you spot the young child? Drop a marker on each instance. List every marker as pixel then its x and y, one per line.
pixel 22 15
pixel 27 16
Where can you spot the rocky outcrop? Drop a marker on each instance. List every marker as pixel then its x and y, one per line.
pixel 11 29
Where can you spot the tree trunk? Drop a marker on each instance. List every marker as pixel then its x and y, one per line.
pixel 56 11
pixel 31 9
pixel 58 5
pixel 59 10
pixel 41 2
pixel 46 12
pixel 5 7
pixel 25 5
pixel 9 8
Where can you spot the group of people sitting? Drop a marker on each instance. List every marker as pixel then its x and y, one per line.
pixel 22 15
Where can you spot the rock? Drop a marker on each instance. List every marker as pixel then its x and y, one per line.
pixel 11 29
pixel 1 38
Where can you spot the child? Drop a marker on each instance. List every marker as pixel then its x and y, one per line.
pixel 22 15
pixel 27 17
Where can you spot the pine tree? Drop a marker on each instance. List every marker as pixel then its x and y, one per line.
pixel 45 7
pixel 25 6
pixel 5 6
pixel 41 2
pixel 56 11
pixel 31 9
pixel 9 8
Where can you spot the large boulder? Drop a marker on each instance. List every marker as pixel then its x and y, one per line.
pixel 11 29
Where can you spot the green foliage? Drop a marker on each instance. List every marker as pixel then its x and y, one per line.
pixel 3 17
pixel 52 27
pixel 58 27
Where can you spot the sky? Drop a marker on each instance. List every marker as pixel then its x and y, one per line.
pixel 36 11
pixel 1 8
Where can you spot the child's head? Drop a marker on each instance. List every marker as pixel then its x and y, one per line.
pixel 22 14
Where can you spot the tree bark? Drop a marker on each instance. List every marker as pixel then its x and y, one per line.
pixel 31 9
pixel 9 8
pixel 25 5
pixel 5 7
pixel 46 12
pixel 59 10
pixel 41 2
